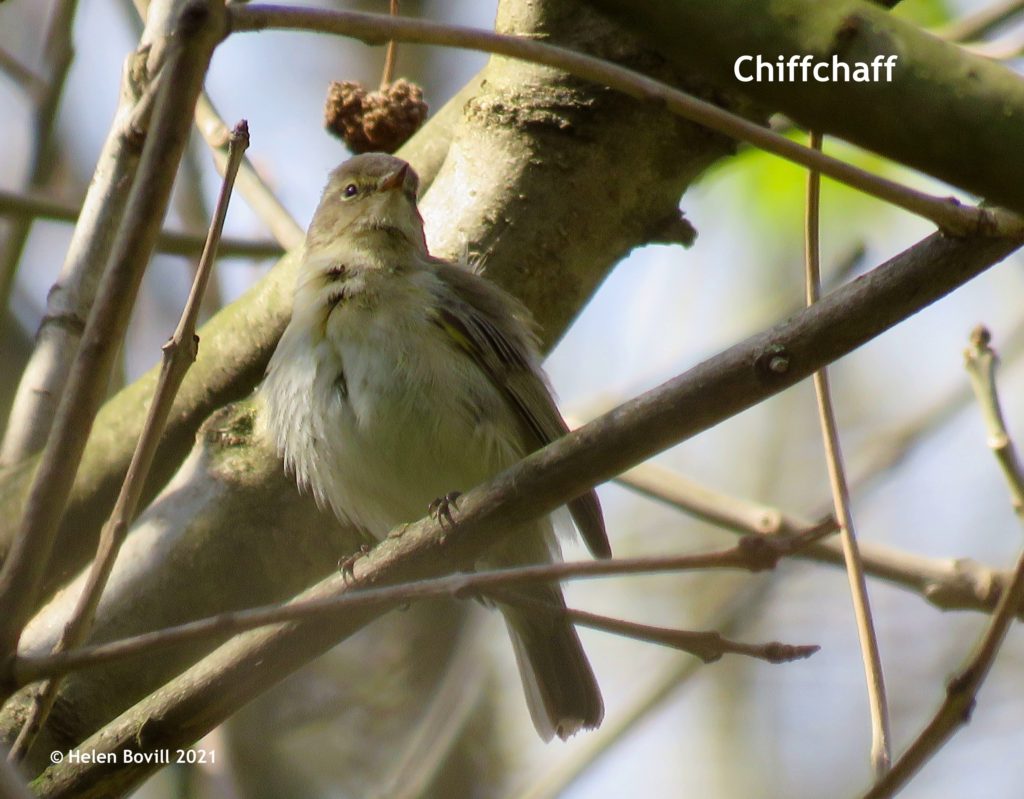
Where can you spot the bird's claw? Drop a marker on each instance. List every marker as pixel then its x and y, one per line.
pixel 441 508
pixel 348 565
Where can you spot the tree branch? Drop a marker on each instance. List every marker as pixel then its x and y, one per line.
pixel 237 344
pixel 179 355
pixel 936 85
pixel 169 242
pixel 881 756
pixel 58 53
pixel 980 362
pixel 197 30
pixel 947 213
pixel 754 554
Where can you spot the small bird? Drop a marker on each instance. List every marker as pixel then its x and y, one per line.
pixel 403 378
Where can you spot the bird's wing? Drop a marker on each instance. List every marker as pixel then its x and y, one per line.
pixel 495 330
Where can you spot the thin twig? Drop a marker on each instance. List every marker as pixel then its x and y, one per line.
pixel 57 55
pixel 179 354
pixel 390 54
pixel 257 194
pixel 981 22
pixel 880 748
pixel 564 773
pixel 169 242
pixel 755 553
pixel 23 572
pixel 980 362
pixel 194 211
pixel 950 215
pixel 27 80
pixel 949 584
pixel 962 690
pixel 707 646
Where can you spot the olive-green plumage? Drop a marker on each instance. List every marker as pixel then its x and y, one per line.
pixel 402 378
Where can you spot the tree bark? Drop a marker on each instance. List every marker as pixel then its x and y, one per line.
pixel 951 114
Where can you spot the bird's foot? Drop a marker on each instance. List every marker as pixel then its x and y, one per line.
pixel 347 566
pixel 441 508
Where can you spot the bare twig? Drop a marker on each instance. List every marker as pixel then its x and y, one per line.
pixel 45 377
pixel 179 354
pixel 947 213
pixel 391 53
pixel 198 31
pixel 27 80
pixel 980 362
pixel 962 690
pixel 981 22
pixel 880 747
pixel 169 242
pixel 755 553
pixel 194 211
pixel 565 772
pixel 57 55
pixel 707 646
pixel 257 194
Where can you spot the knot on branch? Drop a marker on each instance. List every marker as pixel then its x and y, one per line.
pixel 377 121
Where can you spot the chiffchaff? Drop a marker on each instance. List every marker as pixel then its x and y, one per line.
pixel 402 377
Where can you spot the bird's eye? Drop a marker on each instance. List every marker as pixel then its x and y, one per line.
pixel 351 190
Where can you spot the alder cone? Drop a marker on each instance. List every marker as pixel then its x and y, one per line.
pixel 378 121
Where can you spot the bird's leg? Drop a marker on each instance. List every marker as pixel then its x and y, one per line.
pixel 347 565
pixel 441 508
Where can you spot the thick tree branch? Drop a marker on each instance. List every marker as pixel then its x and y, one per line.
pixel 68 303
pixel 196 32
pixel 936 85
pixel 179 355
pixel 237 344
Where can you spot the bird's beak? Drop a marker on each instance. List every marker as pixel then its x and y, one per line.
pixel 395 180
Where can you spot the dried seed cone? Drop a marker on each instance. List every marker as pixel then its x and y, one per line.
pixel 376 121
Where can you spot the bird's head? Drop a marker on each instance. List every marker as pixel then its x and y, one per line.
pixel 367 196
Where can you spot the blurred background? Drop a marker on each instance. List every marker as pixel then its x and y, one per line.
pixel 924 480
